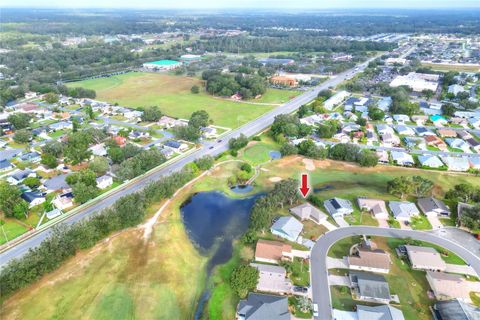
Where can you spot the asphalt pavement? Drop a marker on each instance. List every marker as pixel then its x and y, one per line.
pixel 318 259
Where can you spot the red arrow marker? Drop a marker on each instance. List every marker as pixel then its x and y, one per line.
pixel 304 189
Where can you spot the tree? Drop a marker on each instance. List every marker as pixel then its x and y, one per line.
pixel 83 192
pixel 9 198
pixel 22 136
pixel 99 165
pixel 400 186
pixel 85 176
pixel 464 192
pixel 205 162
pixel 361 122
pixel 49 160
pixel 470 217
pixel 53 148
pixel 448 109
pixel 428 94
pixel 238 143
pixel 288 149
pixel 328 129
pixel 243 279
pixel 195 89
pixel 20 210
pixel 309 149
pixel 367 158
pixel 151 114
pixel 19 120
pixel 31 182
pixel 422 186
pixel 199 119
pixel 76 149
pixel 89 112
pixel 376 114
pixel 51 98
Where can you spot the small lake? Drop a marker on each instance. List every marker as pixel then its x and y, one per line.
pixel 275 154
pixel 213 220
pixel 242 188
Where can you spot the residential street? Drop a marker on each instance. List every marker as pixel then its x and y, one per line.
pixel 320 278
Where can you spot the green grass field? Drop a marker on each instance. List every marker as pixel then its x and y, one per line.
pixel 172 94
pixel 11 229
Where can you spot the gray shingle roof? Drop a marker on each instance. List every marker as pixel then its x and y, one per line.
pixel 371 285
pixel 264 307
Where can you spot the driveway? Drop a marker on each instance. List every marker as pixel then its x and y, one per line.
pixel 383 223
pixel 435 222
pixel 333 263
pixel 404 226
pixel 461 269
pixel 341 222
pixel 328 225
pixel 334 280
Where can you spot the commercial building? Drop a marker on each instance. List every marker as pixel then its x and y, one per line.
pixel 418 82
pixel 162 65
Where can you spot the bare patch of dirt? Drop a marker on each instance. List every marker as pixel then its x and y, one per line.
pixel 309 165
pixel 275 179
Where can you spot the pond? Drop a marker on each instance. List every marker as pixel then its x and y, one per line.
pixel 275 154
pixel 323 188
pixel 213 220
pixel 242 188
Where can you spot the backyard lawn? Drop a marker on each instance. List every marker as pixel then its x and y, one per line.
pixel 172 95
pixel 10 230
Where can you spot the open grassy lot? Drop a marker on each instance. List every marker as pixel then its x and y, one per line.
pixel 449 67
pixel 277 96
pixel 172 94
pixel 10 230
pixel 123 277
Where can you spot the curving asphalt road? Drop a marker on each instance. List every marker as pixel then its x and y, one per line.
pixel 212 148
pixel 318 261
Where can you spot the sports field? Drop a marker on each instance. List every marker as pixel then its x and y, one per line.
pixel 172 95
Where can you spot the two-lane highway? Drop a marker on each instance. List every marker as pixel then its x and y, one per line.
pixel 318 259
pixel 213 148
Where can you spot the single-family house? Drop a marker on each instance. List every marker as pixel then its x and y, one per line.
pixel 263 307
pixel 5 165
pixel 307 211
pixel 383 312
pixel 31 157
pixel 384 103
pixel 474 122
pixel 459 121
pixel 455 89
pixel 369 287
pixel 474 144
pixel 133 115
pixel 464 134
pixel 167 152
pixel 335 100
pixel 61 125
pixel 98 150
pixel 337 207
pixel 272 251
pixel 404 130
pixel 430 161
pixel 455 309
pixel 209 132
pixel 176 145
pixel 375 206
pixel 18 176
pixel 434 141
pixel 422 132
pixel 403 210
pixel 57 183
pixel 447 133
pixel 431 206
pixel 402 158
pixel 401 118
pixel 272 278
pixel 390 139
pixel 63 201
pixel 287 227
pixel 447 286
pixel 425 258
pixel 474 162
pixel 367 257
pixel 419 119
pixel 33 198
pixel 104 182
pixel 383 129
pixel 456 163
pixel 138 134
pixel 382 156
pixel 415 143
pixel 120 141
pixel 456 143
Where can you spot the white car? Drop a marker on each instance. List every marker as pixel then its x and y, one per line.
pixel 315 310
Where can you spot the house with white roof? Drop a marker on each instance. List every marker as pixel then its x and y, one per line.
pixel 474 122
pixel 455 89
pixel 401 118
pixel 458 144
pixel 384 103
pixel 404 130
pixel 287 227
pixel 383 129
pixel 337 207
pixel 98 150
pixel 104 182
pixel 456 163
pixel 430 161
pixel 375 206
pixel 336 99
pixel 403 210
pixel 402 158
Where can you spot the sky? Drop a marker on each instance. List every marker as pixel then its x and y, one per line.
pixel 214 4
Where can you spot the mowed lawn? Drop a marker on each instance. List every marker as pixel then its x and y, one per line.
pixel 122 278
pixel 172 95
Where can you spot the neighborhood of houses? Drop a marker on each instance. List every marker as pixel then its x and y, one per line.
pixel 429 140
pixel 363 270
pixel 54 122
